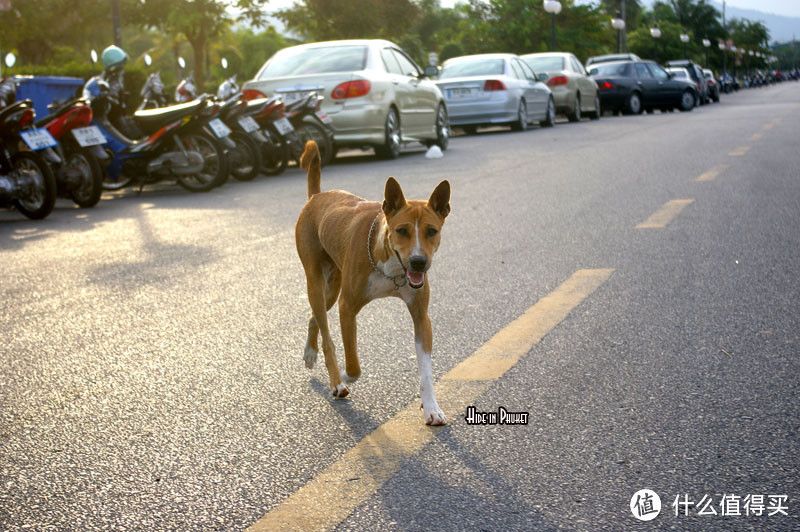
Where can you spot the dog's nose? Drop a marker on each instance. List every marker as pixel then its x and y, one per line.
pixel 418 263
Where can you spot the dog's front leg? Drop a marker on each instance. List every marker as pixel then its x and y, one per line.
pixel 423 340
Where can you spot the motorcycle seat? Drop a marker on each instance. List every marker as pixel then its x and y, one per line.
pixel 59 110
pixel 152 119
pixel 14 107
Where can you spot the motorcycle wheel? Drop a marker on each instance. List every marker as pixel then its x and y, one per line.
pixel 274 154
pixel 43 198
pixel 247 161
pixel 310 130
pixel 87 194
pixel 215 164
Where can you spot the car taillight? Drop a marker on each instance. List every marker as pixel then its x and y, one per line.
pixel 493 85
pixel 557 80
pixel 252 94
pixel 606 85
pixel 351 89
pixel 26 119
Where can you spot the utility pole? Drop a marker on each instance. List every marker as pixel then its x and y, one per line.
pixel 624 30
pixel 115 22
pixel 725 37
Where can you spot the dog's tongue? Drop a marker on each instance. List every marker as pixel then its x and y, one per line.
pixel 415 278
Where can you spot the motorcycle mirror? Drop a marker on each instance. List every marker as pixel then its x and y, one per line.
pixel 94 55
pixel 181 62
pixel 148 60
pixel 10 59
pixel 224 63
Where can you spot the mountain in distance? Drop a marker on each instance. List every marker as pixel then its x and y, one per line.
pixel 781 28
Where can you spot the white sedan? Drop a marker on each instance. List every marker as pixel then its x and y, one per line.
pixel 492 89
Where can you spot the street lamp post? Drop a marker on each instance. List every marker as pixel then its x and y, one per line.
pixel 684 40
pixel 656 33
pixel 618 24
pixel 554 8
pixel 706 44
pixel 722 49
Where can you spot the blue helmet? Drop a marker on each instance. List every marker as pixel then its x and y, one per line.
pixel 113 56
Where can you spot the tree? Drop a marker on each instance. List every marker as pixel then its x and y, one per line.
pixel 323 20
pixel 199 21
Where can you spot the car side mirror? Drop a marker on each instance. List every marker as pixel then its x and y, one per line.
pixel 542 77
pixel 431 71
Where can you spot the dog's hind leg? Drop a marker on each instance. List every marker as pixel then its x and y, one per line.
pixel 333 283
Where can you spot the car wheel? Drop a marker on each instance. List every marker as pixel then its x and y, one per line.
pixel 575 115
pixel 598 111
pixel 521 124
pixel 390 149
pixel 688 101
pixel 634 105
pixel 550 119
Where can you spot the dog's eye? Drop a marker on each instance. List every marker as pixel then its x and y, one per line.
pixel 432 232
pixel 402 231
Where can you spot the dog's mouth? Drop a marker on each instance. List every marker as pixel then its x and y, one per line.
pixel 415 279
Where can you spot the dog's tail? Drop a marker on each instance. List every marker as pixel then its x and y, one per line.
pixel 310 161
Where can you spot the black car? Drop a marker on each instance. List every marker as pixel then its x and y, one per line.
pixel 634 86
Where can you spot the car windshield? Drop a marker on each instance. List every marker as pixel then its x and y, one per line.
pixel 610 69
pixel 478 66
pixel 545 64
pixel 300 61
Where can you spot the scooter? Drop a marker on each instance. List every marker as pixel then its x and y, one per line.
pixel 26 180
pixel 80 174
pixel 176 143
pixel 311 123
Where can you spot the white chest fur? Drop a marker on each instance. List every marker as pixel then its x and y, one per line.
pixel 378 285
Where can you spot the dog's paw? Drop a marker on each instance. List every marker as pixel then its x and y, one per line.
pixel 347 378
pixel 310 356
pixel 433 415
pixel 340 391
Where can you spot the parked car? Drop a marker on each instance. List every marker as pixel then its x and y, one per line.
pixel 696 75
pixel 713 84
pixel 374 93
pixel 633 86
pixel 573 90
pixel 491 89
pixel 611 57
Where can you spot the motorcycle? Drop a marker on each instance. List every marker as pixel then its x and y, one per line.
pixel 179 141
pixel 26 180
pixel 152 93
pixel 311 123
pixel 80 174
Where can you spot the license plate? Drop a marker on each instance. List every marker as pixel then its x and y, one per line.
pixel 289 97
pixel 283 126
pixel 89 136
pixel 248 124
pixel 459 93
pixel 324 117
pixel 38 139
pixel 219 128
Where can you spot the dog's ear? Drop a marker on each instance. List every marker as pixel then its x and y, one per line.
pixel 439 201
pixel 393 198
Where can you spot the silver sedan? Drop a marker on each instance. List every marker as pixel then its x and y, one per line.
pixel 374 93
pixel 491 89
pixel 573 90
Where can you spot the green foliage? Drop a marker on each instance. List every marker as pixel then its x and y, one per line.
pixel 323 20
pixel 449 50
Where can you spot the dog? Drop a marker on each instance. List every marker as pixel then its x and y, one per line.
pixel 354 251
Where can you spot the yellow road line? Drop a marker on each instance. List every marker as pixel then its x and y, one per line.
pixel 767 127
pixel 665 214
pixel 713 173
pixel 738 152
pixel 756 136
pixel 333 494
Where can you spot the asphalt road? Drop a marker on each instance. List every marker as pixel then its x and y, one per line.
pixel 152 374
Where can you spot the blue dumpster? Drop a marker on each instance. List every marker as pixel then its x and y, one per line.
pixel 44 89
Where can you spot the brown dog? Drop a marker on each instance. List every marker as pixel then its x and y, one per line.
pixel 355 251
